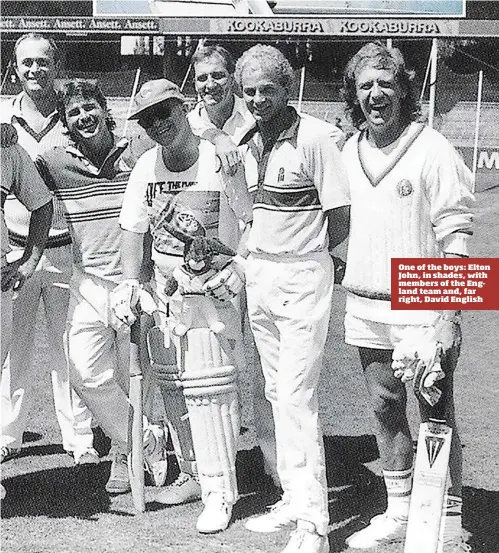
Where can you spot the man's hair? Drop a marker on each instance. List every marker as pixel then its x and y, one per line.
pixel 56 53
pixel 215 50
pixel 269 58
pixel 377 55
pixel 84 89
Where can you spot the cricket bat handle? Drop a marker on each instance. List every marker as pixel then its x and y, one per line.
pixel 135 424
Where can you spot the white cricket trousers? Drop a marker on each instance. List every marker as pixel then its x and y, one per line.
pixel 98 356
pixel 49 285
pixel 289 304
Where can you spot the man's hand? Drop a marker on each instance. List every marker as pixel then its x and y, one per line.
pixel 124 301
pixel 15 274
pixel 227 153
pixel 228 282
pixel 8 135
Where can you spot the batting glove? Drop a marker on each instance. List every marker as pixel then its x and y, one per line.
pixel 228 282
pixel 124 300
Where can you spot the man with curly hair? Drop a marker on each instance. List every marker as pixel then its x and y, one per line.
pixel 294 172
pixel 89 177
pixel 411 197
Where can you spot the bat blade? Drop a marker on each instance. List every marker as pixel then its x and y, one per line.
pixel 428 490
pixel 135 424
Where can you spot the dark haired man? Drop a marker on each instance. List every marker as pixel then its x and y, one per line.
pixel 89 178
pixel 411 197
pixel 223 118
pixel 33 114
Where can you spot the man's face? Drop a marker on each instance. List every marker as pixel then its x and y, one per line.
pixel 213 82
pixel 264 95
pixel 164 122
pixel 85 119
pixel 380 96
pixel 36 66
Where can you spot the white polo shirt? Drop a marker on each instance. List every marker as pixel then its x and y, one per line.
pixel 20 178
pixel 303 178
pixel 35 143
pixel 236 126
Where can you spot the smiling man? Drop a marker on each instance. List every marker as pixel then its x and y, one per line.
pixel 89 178
pixel 33 114
pixel 300 193
pixel 223 118
pixel 178 184
pixel 410 193
pixel 220 116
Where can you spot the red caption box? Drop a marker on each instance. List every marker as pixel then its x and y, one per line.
pixel 445 283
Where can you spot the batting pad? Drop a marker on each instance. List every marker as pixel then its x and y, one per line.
pixel 210 388
pixel 165 371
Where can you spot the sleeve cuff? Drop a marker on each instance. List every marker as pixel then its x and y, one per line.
pixel 456 243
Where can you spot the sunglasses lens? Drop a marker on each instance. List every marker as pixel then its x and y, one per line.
pixel 159 112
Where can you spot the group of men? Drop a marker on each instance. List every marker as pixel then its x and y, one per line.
pixel 235 213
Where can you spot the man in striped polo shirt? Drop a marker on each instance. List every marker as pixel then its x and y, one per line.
pixel 34 116
pixel 89 177
pixel 300 191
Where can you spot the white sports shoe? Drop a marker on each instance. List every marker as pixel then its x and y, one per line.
pixel 381 530
pixel 278 518
pixel 304 541
pixel 155 454
pixel 215 516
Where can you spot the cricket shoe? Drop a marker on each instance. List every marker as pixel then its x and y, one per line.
pixel 119 481
pixel 7 453
pixel 279 517
pixel 88 457
pixel 155 453
pixel 215 516
pixel 382 529
pixel 184 490
pixel 305 541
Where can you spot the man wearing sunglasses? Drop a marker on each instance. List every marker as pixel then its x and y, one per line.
pixel 178 189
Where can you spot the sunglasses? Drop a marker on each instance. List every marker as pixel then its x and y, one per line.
pixel 160 111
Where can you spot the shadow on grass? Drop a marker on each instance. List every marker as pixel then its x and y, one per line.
pixel 58 493
pixel 481 518
pixel 355 493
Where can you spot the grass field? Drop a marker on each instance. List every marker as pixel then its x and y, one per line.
pixel 51 508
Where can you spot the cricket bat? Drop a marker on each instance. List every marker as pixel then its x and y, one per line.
pixel 429 486
pixel 135 424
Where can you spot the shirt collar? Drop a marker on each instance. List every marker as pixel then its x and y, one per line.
pixel 122 166
pixel 287 133
pixel 17 108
